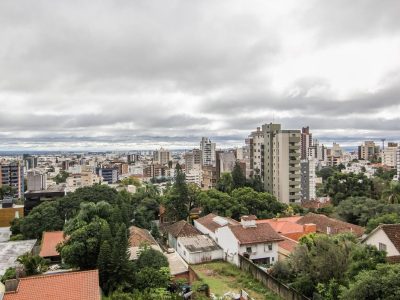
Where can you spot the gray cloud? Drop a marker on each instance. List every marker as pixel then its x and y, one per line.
pixel 124 73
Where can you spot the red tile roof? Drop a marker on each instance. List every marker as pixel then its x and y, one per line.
pixel 336 226
pixel 393 233
pixel 209 223
pixel 139 236
pixel 288 244
pixel 282 226
pixel 50 240
pixel 82 285
pixel 181 228
pixel 262 233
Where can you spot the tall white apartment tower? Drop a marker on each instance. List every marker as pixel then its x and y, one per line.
pixel 207 152
pixel 256 141
pixel 282 163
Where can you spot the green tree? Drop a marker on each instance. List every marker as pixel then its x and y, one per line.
pixel 238 177
pixel 10 273
pixel 61 177
pixel 152 278
pixel 214 201
pixel 392 218
pixel 382 283
pixel 384 174
pixel 44 217
pixel 33 264
pixel 151 258
pixel 104 265
pixel 177 200
pixel 225 183
pixel 392 194
pixel 326 172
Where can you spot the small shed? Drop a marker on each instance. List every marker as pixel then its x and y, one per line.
pixel 198 249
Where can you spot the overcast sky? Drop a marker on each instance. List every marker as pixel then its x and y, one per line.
pixel 143 74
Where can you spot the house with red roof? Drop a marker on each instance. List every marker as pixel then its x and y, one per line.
pixel 258 242
pixel 83 285
pixel 386 237
pixel 48 247
pixel 289 228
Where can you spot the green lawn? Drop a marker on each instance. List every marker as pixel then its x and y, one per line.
pixel 223 277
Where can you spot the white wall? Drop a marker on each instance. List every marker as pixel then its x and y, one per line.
pixel 204 230
pixel 229 244
pixel 380 236
pixel 198 257
pixel 261 251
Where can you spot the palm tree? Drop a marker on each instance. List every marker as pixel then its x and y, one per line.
pixel 392 194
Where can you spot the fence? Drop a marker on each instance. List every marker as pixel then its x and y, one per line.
pixel 269 281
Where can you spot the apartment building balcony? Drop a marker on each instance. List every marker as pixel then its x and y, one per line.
pixel 294 176
pixel 294 154
pixel 294 147
pixel 294 190
pixel 294 161
pixel 294 139
pixel 294 169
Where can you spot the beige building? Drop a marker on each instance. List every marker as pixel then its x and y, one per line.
pixel 83 179
pixel 161 156
pixel 368 151
pixel 256 141
pixel 282 163
pixel 389 156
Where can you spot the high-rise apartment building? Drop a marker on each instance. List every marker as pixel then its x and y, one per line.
pixel 389 155
pixel 192 160
pixel 36 181
pixel 256 143
pixel 282 162
pixel 306 141
pixel 12 174
pixel 398 163
pixel 308 184
pixel 109 175
pixel 161 156
pixel 368 151
pixel 207 152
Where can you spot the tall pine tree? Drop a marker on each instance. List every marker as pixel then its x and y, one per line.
pixel 104 265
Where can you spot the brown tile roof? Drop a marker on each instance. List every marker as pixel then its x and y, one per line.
pixel 83 285
pixel 288 244
pixel 249 218
pixel 181 228
pixel 337 226
pixel 209 223
pixel 262 233
pixel 139 236
pixel 50 240
pixel 393 233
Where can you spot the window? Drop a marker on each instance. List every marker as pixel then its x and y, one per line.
pixel 382 247
pixel 248 249
pixel 268 247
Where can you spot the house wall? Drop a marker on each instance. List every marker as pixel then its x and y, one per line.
pixel 198 257
pixel 229 244
pixel 380 236
pixel 172 241
pixel 204 230
pixel 260 251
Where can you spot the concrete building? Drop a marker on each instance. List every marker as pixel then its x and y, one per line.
pixel 368 151
pixel 194 176
pixel 308 184
pixel 306 141
pixel 36 180
pixel 81 180
pixel 198 249
pixel 109 175
pixel 207 149
pixel 389 156
pixel 256 145
pixel 192 160
pixel 225 162
pixel 398 163
pixel 12 174
pixel 282 163
pixel 161 156
pixel 209 177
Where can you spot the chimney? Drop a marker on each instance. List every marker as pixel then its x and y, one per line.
pixel 11 285
pixel 248 221
pixel 309 228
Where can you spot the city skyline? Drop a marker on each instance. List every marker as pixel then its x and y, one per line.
pixel 129 75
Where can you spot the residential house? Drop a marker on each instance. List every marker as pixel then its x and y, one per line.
pixel 139 237
pixel 61 286
pixel 286 247
pixel 330 226
pixel 258 241
pixel 211 222
pixel 10 251
pixel 179 229
pixel 386 237
pixel 288 227
pixel 198 249
pixel 48 248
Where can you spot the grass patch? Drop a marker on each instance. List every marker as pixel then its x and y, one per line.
pixel 223 277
